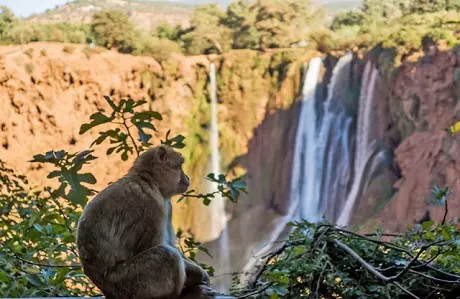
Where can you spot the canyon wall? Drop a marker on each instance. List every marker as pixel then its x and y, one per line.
pixel 416 101
pixel 48 90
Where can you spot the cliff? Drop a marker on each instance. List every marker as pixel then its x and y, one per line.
pixel 48 90
pixel 416 101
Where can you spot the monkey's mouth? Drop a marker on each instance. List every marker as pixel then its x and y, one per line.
pixel 183 187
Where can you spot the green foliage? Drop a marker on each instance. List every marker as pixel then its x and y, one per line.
pixel 167 31
pixel 38 256
pixel 227 189
pixel 21 33
pixel 424 262
pixel 348 18
pixel 398 24
pixel 68 175
pixel 189 247
pixel 159 48
pixel 208 34
pixel 7 21
pixel 113 29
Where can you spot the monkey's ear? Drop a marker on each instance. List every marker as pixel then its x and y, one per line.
pixel 162 154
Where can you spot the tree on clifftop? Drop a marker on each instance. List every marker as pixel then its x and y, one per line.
pixel 7 20
pixel 113 29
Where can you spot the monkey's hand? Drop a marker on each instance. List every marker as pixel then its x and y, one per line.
pixel 195 275
pixel 206 280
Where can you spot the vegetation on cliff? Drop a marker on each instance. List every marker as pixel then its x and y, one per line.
pixel 260 25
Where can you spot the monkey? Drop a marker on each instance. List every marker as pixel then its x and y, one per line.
pixel 125 238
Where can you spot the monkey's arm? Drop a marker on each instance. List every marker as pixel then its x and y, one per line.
pixel 195 275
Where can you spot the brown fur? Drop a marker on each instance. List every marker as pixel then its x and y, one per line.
pixel 125 236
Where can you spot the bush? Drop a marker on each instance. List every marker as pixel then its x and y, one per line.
pixel 68 49
pixel 90 51
pixel 77 37
pixel 29 52
pixel 113 29
pixel 159 48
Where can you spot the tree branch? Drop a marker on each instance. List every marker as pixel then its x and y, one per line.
pixel 46 265
pixel 445 212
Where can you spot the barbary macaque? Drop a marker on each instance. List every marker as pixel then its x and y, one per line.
pixel 125 237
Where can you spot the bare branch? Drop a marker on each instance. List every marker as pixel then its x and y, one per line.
pixel 405 290
pixel 46 265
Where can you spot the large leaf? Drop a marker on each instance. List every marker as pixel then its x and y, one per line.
pixel 112 104
pixel 87 178
pixel 97 119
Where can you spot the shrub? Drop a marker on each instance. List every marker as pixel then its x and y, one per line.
pixel 68 49
pixel 159 48
pixel 77 37
pixel 43 52
pixel 113 29
pixel 29 52
pixel 90 51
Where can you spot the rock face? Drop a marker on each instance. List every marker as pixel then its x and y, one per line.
pixel 426 94
pixel 48 90
pixel 420 99
pixel 46 93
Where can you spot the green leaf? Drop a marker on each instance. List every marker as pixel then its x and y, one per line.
pixel 97 119
pixel 110 150
pixel 427 224
pixel 148 114
pixel 112 104
pixel 54 174
pixel 38 227
pixel 87 178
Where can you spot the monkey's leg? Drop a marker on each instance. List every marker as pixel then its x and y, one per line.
pixel 195 275
pixel 198 292
pixel 158 272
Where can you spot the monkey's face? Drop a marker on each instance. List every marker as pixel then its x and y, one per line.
pixel 164 165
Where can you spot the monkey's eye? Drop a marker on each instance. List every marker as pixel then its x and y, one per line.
pixel 176 166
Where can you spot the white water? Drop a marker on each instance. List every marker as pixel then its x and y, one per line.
pixel 217 205
pixel 306 129
pixel 308 94
pixel 365 149
pixel 328 176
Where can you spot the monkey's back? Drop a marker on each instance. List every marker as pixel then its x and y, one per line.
pixel 123 220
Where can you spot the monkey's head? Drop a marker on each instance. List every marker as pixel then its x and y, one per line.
pixel 162 166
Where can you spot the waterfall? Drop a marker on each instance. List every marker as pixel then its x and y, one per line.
pixel 367 158
pixel 328 176
pixel 306 128
pixel 217 205
pixel 297 188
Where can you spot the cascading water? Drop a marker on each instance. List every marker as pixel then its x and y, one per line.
pixel 328 176
pixel 217 205
pixel 306 119
pixel 367 158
